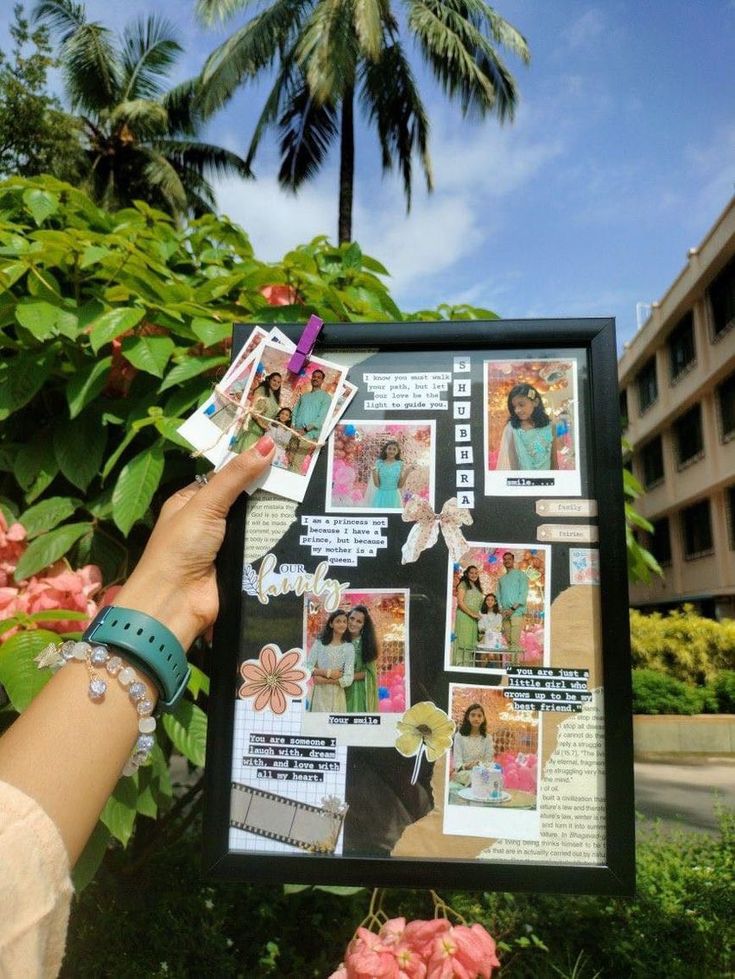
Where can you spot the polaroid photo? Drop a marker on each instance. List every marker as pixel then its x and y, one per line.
pixel 373 465
pixel 493 774
pixel 372 654
pixel 344 396
pixel 294 409
pixel 213 427
pixel 498 608
pixel 531 428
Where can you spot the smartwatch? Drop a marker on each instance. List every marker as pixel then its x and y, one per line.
pixel 148 644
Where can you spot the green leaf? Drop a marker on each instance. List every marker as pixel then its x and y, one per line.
pixel 210 332
pixel 135 486
pixel 85 384
pixel 109 554
pixel 92 255
pixel 21 377
pixel 168 427
pixel 111 324
pixel 191 367
pixel 44 550
pixel 340 891
pixel 41 204
pixel 198 682
pixel 79 448
pixel 18 673
pixel 159 764
pixel 91 857
pixel 119 812
pixel 146 803
pixel 187 728
pixel 38 317
pixel 35 466
pixel 48 514
pixel 295 888
pixel 10 272
pixel 150 354
pixel 112 461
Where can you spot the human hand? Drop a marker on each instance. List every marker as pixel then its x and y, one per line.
pixel 174 580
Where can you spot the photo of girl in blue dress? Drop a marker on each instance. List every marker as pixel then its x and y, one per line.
pixel 389 476
pixel 529 437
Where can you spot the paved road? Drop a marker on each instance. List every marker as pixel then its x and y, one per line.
pixel 683 792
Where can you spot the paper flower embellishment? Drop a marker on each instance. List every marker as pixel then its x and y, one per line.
pixel 424 729
pixel 428 524
pixel 272 678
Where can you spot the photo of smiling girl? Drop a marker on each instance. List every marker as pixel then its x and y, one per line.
pixel 531 428
pixel 389 476
pixel 331 662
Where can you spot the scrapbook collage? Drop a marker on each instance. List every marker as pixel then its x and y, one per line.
pixel 419 662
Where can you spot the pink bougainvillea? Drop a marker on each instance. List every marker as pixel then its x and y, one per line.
pixel 12 545
pixel 58 587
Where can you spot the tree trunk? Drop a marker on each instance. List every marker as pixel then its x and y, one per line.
pixel 346 166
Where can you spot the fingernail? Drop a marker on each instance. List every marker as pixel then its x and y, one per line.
pixel 264 445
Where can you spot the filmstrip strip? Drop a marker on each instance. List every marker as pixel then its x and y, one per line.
pixel 463 455
pixel 284 820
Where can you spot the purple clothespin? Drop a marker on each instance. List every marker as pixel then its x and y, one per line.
pixel 306 344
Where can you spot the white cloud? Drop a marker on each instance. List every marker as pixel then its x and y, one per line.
pixel 586 28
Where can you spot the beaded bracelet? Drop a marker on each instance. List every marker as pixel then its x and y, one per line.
pixel 98 657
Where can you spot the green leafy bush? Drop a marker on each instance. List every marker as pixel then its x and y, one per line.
pixel 658 693
pixel 682 644
pixel 681 923
pixel 723 689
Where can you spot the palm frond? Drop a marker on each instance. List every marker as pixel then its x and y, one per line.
pixel 461 57
pixel 210 11
pixel 90 62
pixel 389 96
pixel 368 18
pixel 183 105
pixel 202 158
pixel 144 117
pixel 503 32
pixel 273 108
pixel 328 51
pixel 149 49
pixel 161 176
pixel 62 17
pixel 250 50
pixel 307 129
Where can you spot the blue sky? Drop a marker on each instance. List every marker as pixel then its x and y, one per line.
pixel 621 157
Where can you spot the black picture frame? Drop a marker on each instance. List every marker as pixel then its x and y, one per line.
pixel 594 340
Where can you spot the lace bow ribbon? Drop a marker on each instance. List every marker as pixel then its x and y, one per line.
pixel 428 524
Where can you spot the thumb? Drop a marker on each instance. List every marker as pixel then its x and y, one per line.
pixel 225 486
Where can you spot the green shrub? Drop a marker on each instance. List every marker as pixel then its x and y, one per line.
pixel 657 693
pixel 724 691
pixel 161 920
pixel 682 644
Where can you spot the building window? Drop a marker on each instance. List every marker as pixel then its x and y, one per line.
pixel 647 385
pixel 660 541
pixel 726 401
pixel 652 460
pixel 689 438
pixel 696 528
pixel 722 299
pixel 623 409
pixel 682 352
pixel 730 496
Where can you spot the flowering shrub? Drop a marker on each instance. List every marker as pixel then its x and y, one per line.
pixel 432 949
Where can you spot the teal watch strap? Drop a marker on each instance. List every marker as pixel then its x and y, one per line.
pixel 150 645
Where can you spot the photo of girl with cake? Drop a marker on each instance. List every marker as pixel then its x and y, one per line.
pixel 374 467
pixel 377 632
pixel 331 665
pixel 531 427
pixel 498 608
pixel 473 746
pixel 495 755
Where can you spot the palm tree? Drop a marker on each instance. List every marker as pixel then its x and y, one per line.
pixel 330 53
pixel 140 139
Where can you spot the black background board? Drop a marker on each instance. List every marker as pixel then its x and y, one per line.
pixel 377 775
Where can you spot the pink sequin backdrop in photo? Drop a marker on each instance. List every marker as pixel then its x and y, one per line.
pixel 357 446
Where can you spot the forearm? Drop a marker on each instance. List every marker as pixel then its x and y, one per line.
pixel 67 752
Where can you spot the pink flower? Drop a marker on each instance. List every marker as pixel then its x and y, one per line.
pixel 341 972
pixel 60 588
pixel 12 546
pixel 464 952
pixel 271 678
pixel 279 295
pixel 421 935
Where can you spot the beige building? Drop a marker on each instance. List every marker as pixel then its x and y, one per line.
pixel 677 399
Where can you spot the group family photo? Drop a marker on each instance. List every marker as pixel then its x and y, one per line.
pixel 497 607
